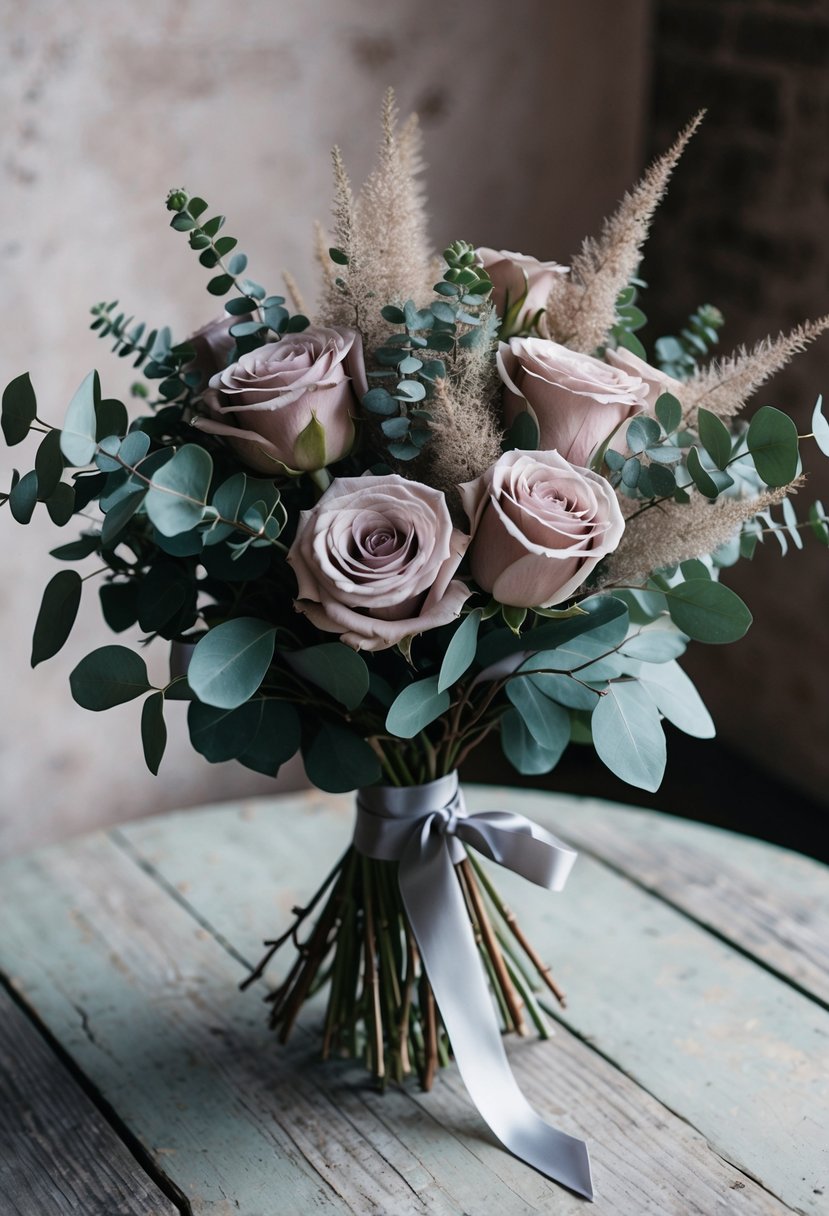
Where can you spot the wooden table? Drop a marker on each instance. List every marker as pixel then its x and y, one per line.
pixel 136 1078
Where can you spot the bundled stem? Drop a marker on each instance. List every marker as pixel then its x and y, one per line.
pixel 380 1005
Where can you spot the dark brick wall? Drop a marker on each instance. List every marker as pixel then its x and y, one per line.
pixel 746 227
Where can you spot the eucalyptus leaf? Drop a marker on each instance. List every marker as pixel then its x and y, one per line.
pixel 677 699
pixel 415 707
pixel 153 731
pixel 334 667
pixel 522 750
pixel 460 652
pixel 79 436
pixel 109 676
pixel 19 409
pixel 628 735
pixel 772 442
pixel 669 412
pixel 23 498
pixel 177 495
pixel 58 610
pixel 820 427
pixel 48 465
pixel 714 437
pixel 338 760
pixel 708 611
pixel 547 722
pixel 231 660
pixel 699 474
pixel 61 504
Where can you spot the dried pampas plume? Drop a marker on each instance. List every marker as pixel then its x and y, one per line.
pixel 672 532
pixel 382 232
pixel 581 309
pixel 725 386
pixel 466 440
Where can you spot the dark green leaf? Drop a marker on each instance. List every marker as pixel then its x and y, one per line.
pixel 380 401
pixel 119 605
pixel 642 433
pixel 522 434
pixel 76 550
pixel 336 668
pixel 58 610
pixel 524 752
pixel 153 731
pixel 275 740
pixel 111 418
pixel 220 285
pixel 119 516
pixel 395 316
pixel 714 437
pixel 230 662
pixel 708 611
pixel 19 409
pixel 772 441
pixel 61 504
pixel 669 412
pixel 339 760
pixel 109 676
pixel 700 476
pixel 23 498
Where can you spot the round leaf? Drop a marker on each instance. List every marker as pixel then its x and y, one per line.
pixel 109 676
pixel 708 611
pixel 714 437
pixel 524 752
pixel 48 465
pixel 336 668
pixel 153 731
pixel 23 498
pixel 19 409
pixel 230 662
pixel 78 438
pixel 178 493
pixel 415 707
pixel 339 760
pixel 772 441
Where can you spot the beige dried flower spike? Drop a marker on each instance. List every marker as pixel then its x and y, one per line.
pixel 581 309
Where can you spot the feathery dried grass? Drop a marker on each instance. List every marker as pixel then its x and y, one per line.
pixel 726 385
pixel 466 439
pixel 581 309
pixel 294 293
pixel 383 231
pixel 672 532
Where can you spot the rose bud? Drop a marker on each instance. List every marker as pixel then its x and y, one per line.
pixel 521 285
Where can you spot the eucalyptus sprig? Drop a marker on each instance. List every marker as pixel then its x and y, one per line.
pixel 680 356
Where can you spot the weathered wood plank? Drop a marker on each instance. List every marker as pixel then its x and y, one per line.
pixel 58 1156
pixel 242 1125
pixel 737 1052
pixel 771 902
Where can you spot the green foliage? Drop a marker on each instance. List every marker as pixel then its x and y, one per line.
pixel 460 653
pixel 680 356
pixel 153 731
pixel 772 442
pixel 230 662
pixel 629 320
pixel 415 707
pixel 338 760
pixel 19 409
pixel 109 676
pixel 58 610
pixel 820 427
pixel 79 436
pixel 708 611
pixel 628 736
pixel 23 497
pixel 333 667
pixel 459 319
pixel 675 697
pixel 48 465
pixel 522 750
pixel 714 437
pixel 547 722
pixel 177 496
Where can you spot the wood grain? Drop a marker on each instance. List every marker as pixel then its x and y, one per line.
pixel 771 902
pixel 58 1156
pixel 732 1049
pixel 241 1125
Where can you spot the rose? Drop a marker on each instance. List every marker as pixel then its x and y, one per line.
pixel 577 401
pixel 656 382
pixel 375 560
pixel 540 526
pixel 212 346
pixel 508 270
pixel 288 405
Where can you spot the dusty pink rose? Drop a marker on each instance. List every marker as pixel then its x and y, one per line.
pixel 212 346
pixel 540 525
pixel 266 403
pixel 508 270
pixel 375 561
pixel 578 401
pixel 656 382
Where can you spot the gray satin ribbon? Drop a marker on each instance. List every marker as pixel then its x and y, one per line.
pixel 425 828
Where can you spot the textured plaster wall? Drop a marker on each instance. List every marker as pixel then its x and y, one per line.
pixel 533 123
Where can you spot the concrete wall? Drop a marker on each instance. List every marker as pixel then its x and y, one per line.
pixel 534 121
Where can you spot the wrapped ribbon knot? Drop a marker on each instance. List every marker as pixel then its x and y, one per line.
pixel 425 828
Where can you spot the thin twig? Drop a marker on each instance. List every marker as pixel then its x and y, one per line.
pixel 513 1001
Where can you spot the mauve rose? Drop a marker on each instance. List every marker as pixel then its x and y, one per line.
pixel 263 403
pixel 540 525
pixel 578 401
pixel 656 382
pixel 507 271
pixel 375 560
pixel 213 346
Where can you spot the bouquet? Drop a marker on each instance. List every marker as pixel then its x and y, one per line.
pixel 463 503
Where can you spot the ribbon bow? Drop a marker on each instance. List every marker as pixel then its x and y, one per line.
pixel 425 828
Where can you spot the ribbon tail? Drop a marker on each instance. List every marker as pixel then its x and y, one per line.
pixel 440 922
